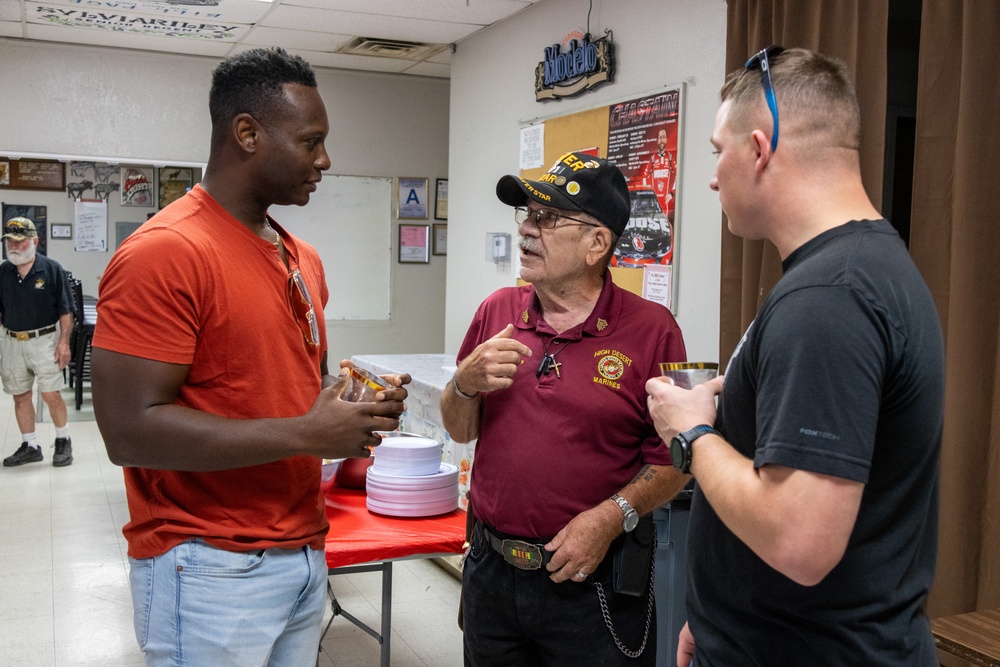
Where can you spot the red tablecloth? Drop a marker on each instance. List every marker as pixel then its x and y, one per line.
pixel 358 536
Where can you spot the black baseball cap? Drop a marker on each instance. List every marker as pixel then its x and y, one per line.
pixel 576 182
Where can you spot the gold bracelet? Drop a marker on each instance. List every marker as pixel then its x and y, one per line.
pixel 461 394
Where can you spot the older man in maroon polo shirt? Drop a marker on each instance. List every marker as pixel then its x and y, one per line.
pixel 551 379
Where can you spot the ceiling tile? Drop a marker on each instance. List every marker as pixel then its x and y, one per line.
pixel 295 39
pixel 429 69
pixel 57 33
pixel 369 25
pixel 340 61
pixel 10 29
pixel 480 12
pixel 442 57
pixel 133 24
pixel 10 11
pixel 226 11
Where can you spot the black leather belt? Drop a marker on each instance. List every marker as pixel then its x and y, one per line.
pixel 28 335
pixel 521 554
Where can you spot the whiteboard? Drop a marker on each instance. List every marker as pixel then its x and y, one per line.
pixel 349 222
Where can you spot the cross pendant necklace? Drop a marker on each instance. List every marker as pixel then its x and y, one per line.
pixel 549 362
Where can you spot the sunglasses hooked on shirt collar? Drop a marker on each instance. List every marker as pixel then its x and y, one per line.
pixel 302 306
pixel 762 60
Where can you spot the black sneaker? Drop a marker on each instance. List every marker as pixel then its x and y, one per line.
pixel 24 454
pixel 64 452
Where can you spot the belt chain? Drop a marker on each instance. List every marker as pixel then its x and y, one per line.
pixel 649 611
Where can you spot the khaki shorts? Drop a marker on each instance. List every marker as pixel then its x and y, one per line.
pixel 21 361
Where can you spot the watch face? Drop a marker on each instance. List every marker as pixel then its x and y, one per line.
pixel 631 521
pixel 677 452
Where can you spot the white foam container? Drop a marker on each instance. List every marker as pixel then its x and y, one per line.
pixel 410 455
pixel 412 495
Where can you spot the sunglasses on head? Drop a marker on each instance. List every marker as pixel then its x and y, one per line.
pixel 761 59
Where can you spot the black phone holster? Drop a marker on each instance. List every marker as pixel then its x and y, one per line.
pixel 633 558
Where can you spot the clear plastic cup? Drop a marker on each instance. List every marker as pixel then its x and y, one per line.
pixel 364 386
pixel 687 374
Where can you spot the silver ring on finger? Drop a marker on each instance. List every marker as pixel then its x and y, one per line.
pixel 581 575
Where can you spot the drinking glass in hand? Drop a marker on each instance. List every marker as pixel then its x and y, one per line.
pixel 690 373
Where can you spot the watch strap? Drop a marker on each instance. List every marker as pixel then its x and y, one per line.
pixel 461 394
pixel 696 432
pixel 622 503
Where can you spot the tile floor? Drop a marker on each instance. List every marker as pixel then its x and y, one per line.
pixel 64 599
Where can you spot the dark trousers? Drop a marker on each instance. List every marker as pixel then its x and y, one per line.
pixel 518 617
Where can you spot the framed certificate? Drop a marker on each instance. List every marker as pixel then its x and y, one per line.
pixel 414 244
pixel 440 238
pixel 411 198
pixel 61 231
pixel 441 200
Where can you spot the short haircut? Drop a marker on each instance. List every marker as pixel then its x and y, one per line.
pixel 251 82
pixel 815 94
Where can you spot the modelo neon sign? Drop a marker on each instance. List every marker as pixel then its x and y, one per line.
pixel 584 66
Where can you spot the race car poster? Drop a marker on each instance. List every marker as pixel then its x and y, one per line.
pixel 642 141
pixel 643 136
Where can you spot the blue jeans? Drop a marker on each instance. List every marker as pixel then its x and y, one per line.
pixel 198 605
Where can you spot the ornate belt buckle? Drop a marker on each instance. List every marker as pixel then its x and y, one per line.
pixel 522 555
pixel 22 335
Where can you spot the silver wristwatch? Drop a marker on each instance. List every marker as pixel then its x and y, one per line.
pixel 630 518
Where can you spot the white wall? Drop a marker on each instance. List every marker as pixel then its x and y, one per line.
pixel 658 42
pixel 86 102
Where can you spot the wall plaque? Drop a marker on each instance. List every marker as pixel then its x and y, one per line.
pixel 27 174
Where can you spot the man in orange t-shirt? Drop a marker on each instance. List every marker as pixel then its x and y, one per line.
pixel 211 388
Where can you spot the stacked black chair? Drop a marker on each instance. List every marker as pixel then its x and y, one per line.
pixel 84 320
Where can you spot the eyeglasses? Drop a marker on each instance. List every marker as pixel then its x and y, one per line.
pixel 765 76
pixel 302 306
pixel 545 218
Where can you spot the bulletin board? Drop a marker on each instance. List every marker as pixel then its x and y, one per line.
pixel 643 136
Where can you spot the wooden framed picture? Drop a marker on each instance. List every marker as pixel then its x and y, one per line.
pixel 440 238
pixel 411 198
pixel 441 200
pixel 174 183
pixel 25 174
pixel 414 244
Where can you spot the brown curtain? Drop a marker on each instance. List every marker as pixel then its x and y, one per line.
pixel 955 240
pixel 852 30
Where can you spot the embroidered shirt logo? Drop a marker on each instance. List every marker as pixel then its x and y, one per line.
pixel 40 283
pixel 610 367
pixel 602 324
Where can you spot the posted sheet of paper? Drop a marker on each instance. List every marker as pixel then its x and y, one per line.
pixel 657 283
pixel 532 146
pixel 91 221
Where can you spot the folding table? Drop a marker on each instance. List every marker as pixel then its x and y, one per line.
pixel 360 541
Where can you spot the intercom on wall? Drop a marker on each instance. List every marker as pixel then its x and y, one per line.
pixel 498 247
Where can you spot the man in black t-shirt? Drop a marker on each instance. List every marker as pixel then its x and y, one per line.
pixel 813 528
pixel 36 310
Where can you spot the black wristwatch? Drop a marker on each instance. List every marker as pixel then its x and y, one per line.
pixel 680 445
pixel 630 518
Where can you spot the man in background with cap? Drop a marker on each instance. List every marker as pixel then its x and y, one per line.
pixel 34 297
pixel 551 380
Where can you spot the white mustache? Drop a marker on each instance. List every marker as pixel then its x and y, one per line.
pixel 530 244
